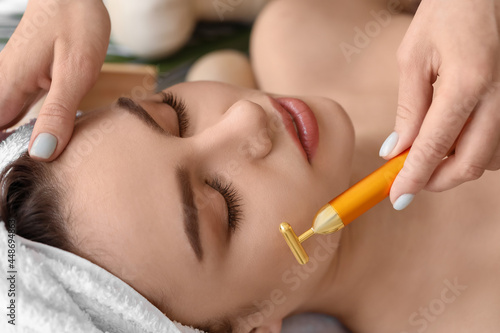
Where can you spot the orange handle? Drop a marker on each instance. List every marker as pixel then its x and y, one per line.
pixel 369 191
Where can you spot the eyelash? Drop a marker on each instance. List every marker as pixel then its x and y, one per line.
pixel 227 191
pixel 233 201
pixel 180 109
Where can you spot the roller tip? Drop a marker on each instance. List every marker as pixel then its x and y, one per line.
pixel 294 243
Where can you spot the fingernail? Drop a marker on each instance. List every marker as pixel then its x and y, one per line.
pixel 44 146
pixel 389 144
pixel 403 201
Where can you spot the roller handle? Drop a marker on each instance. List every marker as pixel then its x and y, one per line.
pixel 369 191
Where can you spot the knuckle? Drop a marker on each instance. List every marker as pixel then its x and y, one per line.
pixel 472 87
pixel 82 65
pixel 404 113
pixel 458 114
pixel 486 61
pixel 89 72
pixel 463 98
pixel 55 113
pixel 85 62
pixel 408 177
pixel 411 56
pixel 475 83
pixel 436 188
pixel 405 62
pixel 470 171
pixel 434 148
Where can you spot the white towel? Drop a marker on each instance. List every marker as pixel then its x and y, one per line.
pixel 57 291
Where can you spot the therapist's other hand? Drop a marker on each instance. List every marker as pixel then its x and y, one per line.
pixel 58 48
pixel 457 40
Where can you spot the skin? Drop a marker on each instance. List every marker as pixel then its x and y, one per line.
pixel 391 263
pixel 144 246
pixel 373 275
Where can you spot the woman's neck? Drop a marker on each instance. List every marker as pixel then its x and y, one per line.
pixel 352 274
pixel 357 263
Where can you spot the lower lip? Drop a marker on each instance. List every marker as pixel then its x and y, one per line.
pixel 307 125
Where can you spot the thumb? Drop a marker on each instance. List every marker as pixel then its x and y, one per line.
pixel 54 126
pixel 414 100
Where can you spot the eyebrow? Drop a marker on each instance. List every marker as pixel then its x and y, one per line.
pixel 190 212
pixel 138 111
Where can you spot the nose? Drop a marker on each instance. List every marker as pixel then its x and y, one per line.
pixel 242 133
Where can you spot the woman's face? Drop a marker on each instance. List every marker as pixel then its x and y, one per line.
pixel 141 198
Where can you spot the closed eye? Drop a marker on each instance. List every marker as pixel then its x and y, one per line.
pixel 179 107
pixel 233 202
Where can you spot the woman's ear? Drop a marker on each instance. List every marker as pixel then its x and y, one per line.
pixel 272 327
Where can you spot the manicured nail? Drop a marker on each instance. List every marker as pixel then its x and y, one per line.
pixel 389 144
pixel 44 146
pixel 403 201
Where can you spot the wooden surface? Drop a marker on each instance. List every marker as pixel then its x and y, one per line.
pixel 115 80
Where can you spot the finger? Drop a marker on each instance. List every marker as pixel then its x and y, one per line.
pixel 414 99
pixel 439 131
pixel 54 126
pixel 15 99
pixel 13 106
pixel 475 150
pixel 19 90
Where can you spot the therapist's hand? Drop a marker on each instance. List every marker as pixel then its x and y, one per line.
pixel 59 47
pixel 457 40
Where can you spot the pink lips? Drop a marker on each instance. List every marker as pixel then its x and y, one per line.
pixel 307 133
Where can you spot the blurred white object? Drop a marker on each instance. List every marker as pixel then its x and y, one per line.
pixel 158 28
pixel 151 28
pixel 12 7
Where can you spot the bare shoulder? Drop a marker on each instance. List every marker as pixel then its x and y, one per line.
pixel 290 34
pixel 316 46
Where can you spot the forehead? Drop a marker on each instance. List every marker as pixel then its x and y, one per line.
pixel 113 152
pixel 123 197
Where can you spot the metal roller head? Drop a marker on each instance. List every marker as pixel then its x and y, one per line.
pixel 293 242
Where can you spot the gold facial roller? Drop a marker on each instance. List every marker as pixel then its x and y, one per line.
pixel 349 205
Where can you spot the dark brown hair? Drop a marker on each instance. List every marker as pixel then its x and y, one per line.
pixel 31 199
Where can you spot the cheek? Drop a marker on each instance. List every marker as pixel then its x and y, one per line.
pixel 268 247
pixel 273 197
pixel 333 159
pixel 275 277
pixel 264 241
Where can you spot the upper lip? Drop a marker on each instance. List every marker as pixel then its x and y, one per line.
pixel 289 125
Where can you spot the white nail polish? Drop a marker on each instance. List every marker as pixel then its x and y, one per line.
pixel 403 201
pixel 44 146
pixel 389 144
